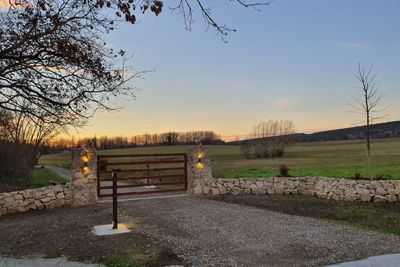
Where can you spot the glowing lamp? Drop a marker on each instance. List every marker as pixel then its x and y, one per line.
pixel 199 165
pixel 200 155
pixel 85 160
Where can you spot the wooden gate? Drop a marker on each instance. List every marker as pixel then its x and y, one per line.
pixel 141 173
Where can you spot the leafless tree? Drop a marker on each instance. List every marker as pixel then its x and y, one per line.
pixel 367 102
pixel 280 129
pixel 26 130
pixel 275 135
pixel 52 53
pixel 187 7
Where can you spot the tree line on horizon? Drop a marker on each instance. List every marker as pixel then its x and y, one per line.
pixel 114 142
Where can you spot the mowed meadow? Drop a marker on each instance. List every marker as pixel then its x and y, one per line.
pixel 338 159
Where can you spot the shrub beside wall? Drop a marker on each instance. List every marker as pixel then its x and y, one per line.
pixel 16 162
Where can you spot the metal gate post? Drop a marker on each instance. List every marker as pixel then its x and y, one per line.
pixel 115 200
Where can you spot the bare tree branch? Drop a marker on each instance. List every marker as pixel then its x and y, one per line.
pixel 367 103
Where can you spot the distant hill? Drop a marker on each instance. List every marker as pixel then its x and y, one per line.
pixel 381 130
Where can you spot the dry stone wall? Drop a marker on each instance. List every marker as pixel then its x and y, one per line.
pixel 35 199
pixel 327 188
pixel 81 191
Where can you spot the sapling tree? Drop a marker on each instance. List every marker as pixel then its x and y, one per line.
pixel 367 103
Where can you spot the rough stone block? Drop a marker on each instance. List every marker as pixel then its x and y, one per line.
pixel 58 188
pixel 18 196
pixel 206 190
pixel 214 191
pixel 379 198
pixel 39 205
pixel 27 194
pixel 45 200
pixel 381 191
pixel 391 198
pixel 222 190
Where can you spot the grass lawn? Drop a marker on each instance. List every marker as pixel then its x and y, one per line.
pixel 380 217
pixel 331 159
pixel 40 177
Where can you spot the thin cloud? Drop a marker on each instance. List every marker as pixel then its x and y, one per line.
pixel 352 45
pixel 285 103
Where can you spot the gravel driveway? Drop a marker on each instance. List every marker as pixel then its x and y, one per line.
pixel 176 230
pixel 211 233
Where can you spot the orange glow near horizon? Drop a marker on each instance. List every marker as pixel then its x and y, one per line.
pixel 4 4
pixel 230 126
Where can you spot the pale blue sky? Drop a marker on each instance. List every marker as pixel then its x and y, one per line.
pixel 294 60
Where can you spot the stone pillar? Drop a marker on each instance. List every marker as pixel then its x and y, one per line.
pixel 84 181
pixel 199 170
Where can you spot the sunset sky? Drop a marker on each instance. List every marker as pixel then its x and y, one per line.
pixel 294 60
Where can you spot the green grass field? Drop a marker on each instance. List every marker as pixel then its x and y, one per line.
pixel 44 177
pixel 40 177
pixel 330 159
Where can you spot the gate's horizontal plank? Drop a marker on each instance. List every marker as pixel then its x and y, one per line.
pixel 182 182
pixel 141 155
pixel 141 162
pixel 144 192
pixel 143 170
pixel 147 177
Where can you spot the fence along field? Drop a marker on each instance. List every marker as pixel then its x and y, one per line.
pixel 340 159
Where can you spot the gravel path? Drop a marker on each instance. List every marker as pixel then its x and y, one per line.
pixel 211 233
pixel 61 171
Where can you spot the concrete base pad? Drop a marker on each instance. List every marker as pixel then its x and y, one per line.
pixel 107 229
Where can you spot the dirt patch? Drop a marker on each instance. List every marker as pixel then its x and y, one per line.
pixel 382 217
pixel 67 232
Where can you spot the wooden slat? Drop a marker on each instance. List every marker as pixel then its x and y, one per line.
pixel 147 177
pixel 141 162
pixel 144 170
pixel 145 192
pixel 142 185
pixel 142 155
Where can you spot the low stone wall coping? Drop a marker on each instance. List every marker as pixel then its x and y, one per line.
pixel 38 198
pixel 322 187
